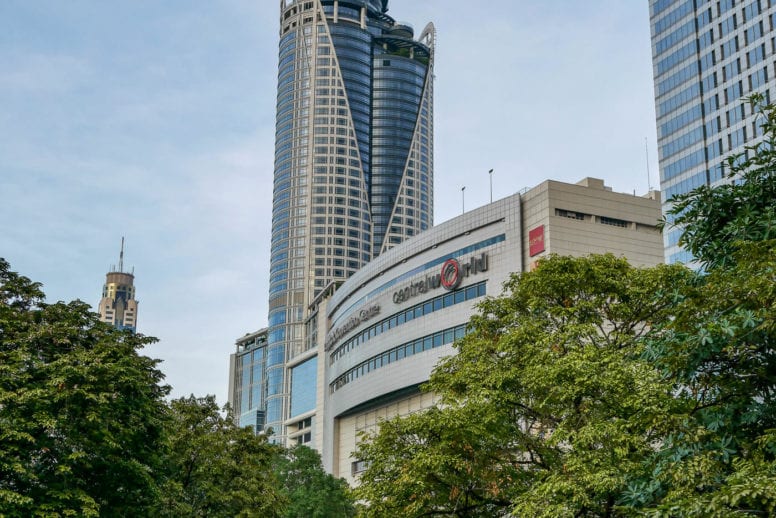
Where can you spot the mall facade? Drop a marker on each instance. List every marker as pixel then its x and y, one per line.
pixel 381 332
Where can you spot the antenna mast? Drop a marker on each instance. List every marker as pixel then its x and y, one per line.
pixel 121 256
pixel 649 178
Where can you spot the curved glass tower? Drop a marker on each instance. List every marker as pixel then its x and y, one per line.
pixel 353 168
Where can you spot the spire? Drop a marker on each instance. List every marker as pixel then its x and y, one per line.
pixel 121 256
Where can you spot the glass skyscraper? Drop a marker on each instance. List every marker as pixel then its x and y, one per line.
pixel 706 56
pixel 353 170
pixel 247 380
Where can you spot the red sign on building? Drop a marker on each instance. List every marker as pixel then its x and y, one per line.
pixel 536 241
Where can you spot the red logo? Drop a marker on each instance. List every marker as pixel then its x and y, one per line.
pixel 536 241
pixel 451 274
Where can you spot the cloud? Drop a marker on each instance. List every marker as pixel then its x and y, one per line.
pixel 35 73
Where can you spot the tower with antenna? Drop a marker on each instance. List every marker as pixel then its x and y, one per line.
pixel 118 306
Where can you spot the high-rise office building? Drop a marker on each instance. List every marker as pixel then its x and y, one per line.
pixel 247 377
pixel 353 170
pixel 707 55
pixel 118 306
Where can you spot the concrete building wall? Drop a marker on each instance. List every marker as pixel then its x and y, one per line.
pixel 501 231
pixel 585 218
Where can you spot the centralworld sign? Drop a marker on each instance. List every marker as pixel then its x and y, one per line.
pixel 350 324
pixel 449 277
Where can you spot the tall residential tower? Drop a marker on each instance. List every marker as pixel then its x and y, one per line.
pixel 118 306
pixel 353 170
pixel 706 56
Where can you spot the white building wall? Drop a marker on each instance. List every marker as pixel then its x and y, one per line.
pixel 391 390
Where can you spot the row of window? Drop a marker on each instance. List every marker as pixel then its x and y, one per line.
pixel 424 308
pixel 679 55
pixel 675 37
pixel 683 164
pixel 688 117
pixel 725 27
pixel 688 94
pixel 677 78
pixel 401 352
pixel 674 16
pixel 709 176
pixel 415 272
pixel 682 142
pixel 604 220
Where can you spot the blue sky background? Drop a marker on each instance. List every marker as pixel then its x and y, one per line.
pixel 155 121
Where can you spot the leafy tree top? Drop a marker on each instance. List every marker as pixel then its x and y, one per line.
pixel 716 219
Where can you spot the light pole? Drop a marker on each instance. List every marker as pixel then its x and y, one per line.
pixel 463 203
pixel 490 175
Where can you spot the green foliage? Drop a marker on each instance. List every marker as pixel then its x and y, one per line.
pixel 216 469
pixel 82 415
pixel 547 406
pixel 85 430
pixel 718 351
pixel 311 492
pixel 450 461
pixel 594 389
pixel 716 219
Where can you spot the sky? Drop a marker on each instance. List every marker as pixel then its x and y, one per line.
pixel 155 121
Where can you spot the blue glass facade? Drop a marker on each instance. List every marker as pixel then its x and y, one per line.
pixel 304 378
pixel 353 162
pixel 707 55
pixel 249 382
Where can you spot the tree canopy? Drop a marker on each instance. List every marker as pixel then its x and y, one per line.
pixel 82 414
pixel 592 388
pixel 311 492
pixel 85 430
pixel 547 406
pixel 215 468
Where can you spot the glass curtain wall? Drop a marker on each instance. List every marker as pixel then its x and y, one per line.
pixel 707 56
pixel 353 162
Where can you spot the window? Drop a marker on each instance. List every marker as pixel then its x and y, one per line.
pixel 727 26
pixel 758 79
pixel 614 222
pixel 755 55
pixel 357 467
pixel 570 214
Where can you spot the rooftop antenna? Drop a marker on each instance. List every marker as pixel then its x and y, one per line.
pixel 649 177
pixel 121 256
pixel 490 175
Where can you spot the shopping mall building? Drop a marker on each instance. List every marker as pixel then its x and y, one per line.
pixel 381 332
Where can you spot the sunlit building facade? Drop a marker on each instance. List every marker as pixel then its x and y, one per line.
pixel 353 172
pixel 382 332
pixel 118 306
pixel 707 56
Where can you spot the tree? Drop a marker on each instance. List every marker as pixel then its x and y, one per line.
pixel 312 492
pixel 548 406
pixel 594 389
pixel 82 414
pixel 716 218
pixel 215 468
pixel 718 350
pixel 449 461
